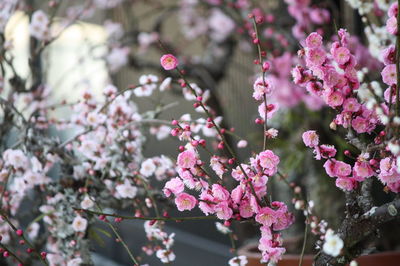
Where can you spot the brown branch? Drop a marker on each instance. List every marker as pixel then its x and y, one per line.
pixel 354 230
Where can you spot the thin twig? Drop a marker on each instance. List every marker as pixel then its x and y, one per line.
pixel 125 217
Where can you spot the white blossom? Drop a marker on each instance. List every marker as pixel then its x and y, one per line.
pixel 238 261
pixel 147 168
pixel 333 244
pixel 165 256
pixel 126 190
pixel 87 203
pixel 79 224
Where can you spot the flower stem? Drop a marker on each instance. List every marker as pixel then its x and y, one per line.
pixel 43 260
pixel 263 78
pixel 304 244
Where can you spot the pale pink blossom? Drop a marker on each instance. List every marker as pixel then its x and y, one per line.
pixel 389 74
pixel 266 216
pixel 346 183
pixel 185 201
pixel 217 166
pixel 87 203
pixel 314 40
pixel 262 86
pixel 147 167
pixel 391 25
pixel 393 9
pixel 242 143
pixel 187 159
pixel 310 138
pixel 220 25
pixel 175 186
pixel 79 224
pixel 271 110
pixel 223 211
pixel 268 159
pixel 126 190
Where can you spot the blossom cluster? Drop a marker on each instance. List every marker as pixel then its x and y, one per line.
pixel 349 175
pixel 332 77
pixel 248 200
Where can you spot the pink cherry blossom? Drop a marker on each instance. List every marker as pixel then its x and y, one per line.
pixel 341 55
pixel 271 108
pixel 246 209
pixel 175 186
pixel 391 25
pixel 314 40
pixel 389 55
pixel 393 9
pixel 185 201
pixel 310 138
pixel 283 220
pixel 169 62
pixel 219 192
pixel 351 105
pixel 266 216
pixel 329 166
pixel 346 183
pixel 335 99
pixel 187 159
pixel 237 194
pixel 389 74
pixel 327 151
pixel 315 56
pixel 262 86
pixel 342 169
pixel 268 159
pixel 363 169
pixel 207 204
pixel 223 211
pixel 360 124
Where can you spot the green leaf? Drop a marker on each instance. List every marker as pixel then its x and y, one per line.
pixel 95 236
pixel 104 232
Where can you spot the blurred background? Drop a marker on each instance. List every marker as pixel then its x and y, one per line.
pixel 83 55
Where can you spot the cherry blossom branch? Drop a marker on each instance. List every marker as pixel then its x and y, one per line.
pixel 125 217
pixel 11 253
pixel 20 233
pixel 354 230
pixel 73 138
pixel 130 88
pixel 123 243
pixel 303 249
pixel 226 144
pixel 261 62
pixel 112 227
